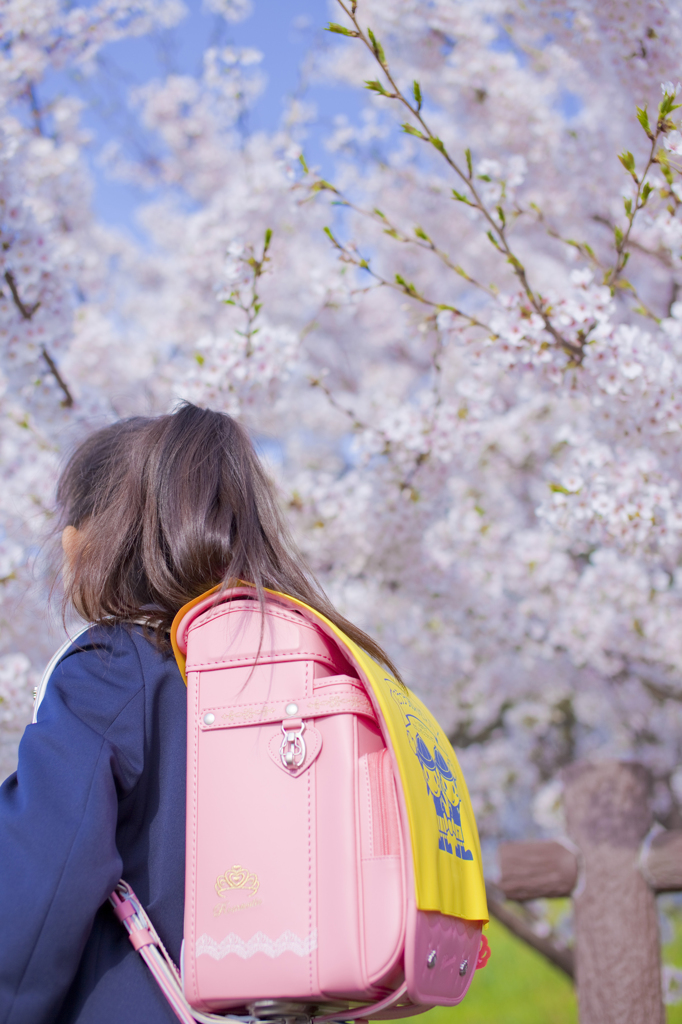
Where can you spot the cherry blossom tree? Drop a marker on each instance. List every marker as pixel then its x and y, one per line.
pixel 460 352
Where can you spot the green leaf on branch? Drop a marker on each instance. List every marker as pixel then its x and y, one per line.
pixel 582 247
pixel 377 47
pixel 199 358
pixel 379 213
pixel 628 162
pixel 646 192
pixel 467 154
pixel 627 203
pixel 516 263
pixel 417 93
pixel 340 30
pixel 461 198
pixel 558 489
pixel 330 236
pixel 321 186
pixel 407 286
pixel 667 105
pixel 435 141
pixel 420 233
pixel 493 240
pixel 303 164
pixel 643 118
pixel 409 129
pixel 618 235
pixel 500 214
pixel 376 86
pixel 268 239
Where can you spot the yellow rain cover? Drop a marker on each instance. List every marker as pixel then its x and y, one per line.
pixel 445 846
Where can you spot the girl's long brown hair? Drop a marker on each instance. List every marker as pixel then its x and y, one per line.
pixel 170 506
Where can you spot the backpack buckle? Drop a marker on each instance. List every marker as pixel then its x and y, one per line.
pixel 292 749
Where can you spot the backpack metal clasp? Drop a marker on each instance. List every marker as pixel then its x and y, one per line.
pixel 292 750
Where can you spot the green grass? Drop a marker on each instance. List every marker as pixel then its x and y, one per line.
pixel 672 954
pixel 518 986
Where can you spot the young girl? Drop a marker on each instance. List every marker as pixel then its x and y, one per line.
pixel 153 512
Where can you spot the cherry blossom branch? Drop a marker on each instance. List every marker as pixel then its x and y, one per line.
pixel 624 240
pixel 585 250
pixel 254 306
pixel 642 308
pixel 318 382
pixel 67 400
pixel 661 255
pixel 497 233
pixel 421 240
pixel 401 285
pixel 27 313
pixel 643 188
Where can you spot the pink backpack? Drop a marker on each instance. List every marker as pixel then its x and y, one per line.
pixel 305 893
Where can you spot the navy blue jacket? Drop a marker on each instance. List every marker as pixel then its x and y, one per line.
pixel 99 794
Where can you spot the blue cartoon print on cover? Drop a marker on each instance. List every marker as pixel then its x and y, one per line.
pixel 439 776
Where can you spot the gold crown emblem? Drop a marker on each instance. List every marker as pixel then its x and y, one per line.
pixel 236 877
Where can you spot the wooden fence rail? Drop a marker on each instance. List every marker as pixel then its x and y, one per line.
pixel 612 865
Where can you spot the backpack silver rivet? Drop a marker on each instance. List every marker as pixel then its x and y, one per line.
pixel 291 709
pixel 431 959
pixel 463 967
pixel 209 719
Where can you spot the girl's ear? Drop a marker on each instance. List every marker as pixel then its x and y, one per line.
pixel 70 541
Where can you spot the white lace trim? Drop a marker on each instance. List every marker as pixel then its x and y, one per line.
pixel 288 942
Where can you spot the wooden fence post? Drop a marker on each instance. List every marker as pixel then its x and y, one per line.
pixel 617 946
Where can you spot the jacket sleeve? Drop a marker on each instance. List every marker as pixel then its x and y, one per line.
pixel 58 817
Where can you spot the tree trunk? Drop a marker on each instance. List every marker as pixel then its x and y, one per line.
pixel 616 925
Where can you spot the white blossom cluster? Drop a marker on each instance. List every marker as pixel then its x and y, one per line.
pixel 17 679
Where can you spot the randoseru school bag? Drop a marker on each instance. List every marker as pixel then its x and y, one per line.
pixel 333 868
